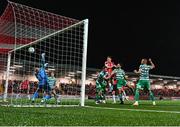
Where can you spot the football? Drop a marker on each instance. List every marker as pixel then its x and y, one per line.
pixel 31 50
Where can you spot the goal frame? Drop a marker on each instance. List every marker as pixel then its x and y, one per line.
pixel 84 55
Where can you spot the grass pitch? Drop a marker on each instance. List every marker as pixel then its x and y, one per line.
pixel 165 113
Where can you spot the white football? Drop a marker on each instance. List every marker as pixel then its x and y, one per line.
pixel 31 50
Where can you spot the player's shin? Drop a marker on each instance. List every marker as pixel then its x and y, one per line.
pixel 97 97
pixel 47 97
pixel 120 98
pixel 35 95
pixel 137 95
pixel 58 98
pixel 152 97
pixel 124 96
pixel 114 97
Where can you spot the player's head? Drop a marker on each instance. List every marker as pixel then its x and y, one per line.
pixel 109 59
pixel 104 68
pixel 36 70
pixel 118 65
pixel 144 61
pixel 51 73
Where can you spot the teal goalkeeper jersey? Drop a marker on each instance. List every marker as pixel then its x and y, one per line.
pixel 144 68
pixel 119 73
pixel 51 81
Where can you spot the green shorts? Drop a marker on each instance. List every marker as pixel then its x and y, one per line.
pixel 100 86
pixel 143 84
pixel 121 83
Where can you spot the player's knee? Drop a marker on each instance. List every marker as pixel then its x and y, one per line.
pixel 120 90
pixel 150 92
pixel 137 89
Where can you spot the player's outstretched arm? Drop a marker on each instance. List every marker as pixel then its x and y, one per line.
pixel 42 59
pixel 137 72
pixel 43 64
pixel 152 64
pixel 126 77
pixel 109 76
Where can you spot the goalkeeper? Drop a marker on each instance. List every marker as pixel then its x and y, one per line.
pixel 41 76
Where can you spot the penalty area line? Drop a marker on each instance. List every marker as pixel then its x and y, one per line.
pixel 136 110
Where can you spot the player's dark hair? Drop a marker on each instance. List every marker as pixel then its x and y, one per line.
pixel 49 73
pixel 104 67
pixel 121 64
pixel 36 70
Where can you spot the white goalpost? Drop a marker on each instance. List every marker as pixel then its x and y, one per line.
pixel 45 57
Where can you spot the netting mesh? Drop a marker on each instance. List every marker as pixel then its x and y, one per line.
pixel 59 37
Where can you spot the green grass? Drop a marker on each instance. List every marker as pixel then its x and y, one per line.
pixel 84 116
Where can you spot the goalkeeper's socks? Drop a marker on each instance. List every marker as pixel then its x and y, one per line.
pixel 47 97
pixel 33 98
pixel 35 95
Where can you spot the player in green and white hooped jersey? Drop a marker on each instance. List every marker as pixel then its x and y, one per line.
pixel 101 86
pixel 52 85
pixel 52 88
pixel 144 82
pixel 120 77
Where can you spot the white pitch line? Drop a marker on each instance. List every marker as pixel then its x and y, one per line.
pixel 139 110
pixel 39 106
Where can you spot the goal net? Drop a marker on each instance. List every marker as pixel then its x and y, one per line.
pixel 45 57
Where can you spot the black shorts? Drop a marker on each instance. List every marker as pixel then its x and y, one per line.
pixel 46 87
pixel 114 87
